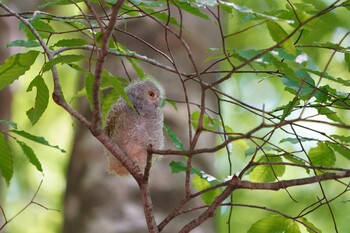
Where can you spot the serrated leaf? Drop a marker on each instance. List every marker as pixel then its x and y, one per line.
pixel 275 224
pixel 37 139
pixel 278 34
pixel 174 138
pixel 6 159
pixel 23 43
pixel 30 155
pixel 64 59
pixel 322 155
pixel 329 114
pixel 70 42
pixel 10 123
pixel 267 173
pixel 15 66
pixel 341 138
pixel 41 99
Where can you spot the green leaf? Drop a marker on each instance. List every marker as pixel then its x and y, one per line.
pixel 107 101
pixel 30 155
pixel 341 138
pixel 288 108
pixel 342 150
pixel 172 103
pixel 15 66
pixel 118 87
pixel 89 82
pixel 193 10
pixel 322 155
pixel 23 43
pixel 64 59
pixel 329 114
pixel 70 42
pixel 48 3
pixel 10 123
pixel 347 60
pixel 200 184
pixel 310 225
pixel 296 141
pixel 174 138
pixel 37 139
pixel 178 166
pixel 278 34
pixel 267 173
pixel 6 160
pixel 41 99
pixel 274 224
pixel 299 83
pixel 43 28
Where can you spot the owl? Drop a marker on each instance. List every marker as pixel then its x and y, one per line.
pixel 134 128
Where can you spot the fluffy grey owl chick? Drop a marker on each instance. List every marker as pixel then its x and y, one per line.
pixel 134 129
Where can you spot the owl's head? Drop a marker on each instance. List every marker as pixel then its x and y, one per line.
pixel 146 96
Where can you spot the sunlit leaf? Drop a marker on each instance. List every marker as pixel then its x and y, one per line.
pixel 275 224
pixel 23 43
pixel 322 155
pixel 267 173
pixel 6 159
pixel 37 139
pixel 278 34
pixel 30 155
pixel 174 138
pixel 64 59
pixel 310 225
pixel 41 99
pixel 15 66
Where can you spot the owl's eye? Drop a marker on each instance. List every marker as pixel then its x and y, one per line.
pixel 152 94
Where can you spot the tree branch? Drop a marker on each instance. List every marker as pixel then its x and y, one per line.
pixel 106 34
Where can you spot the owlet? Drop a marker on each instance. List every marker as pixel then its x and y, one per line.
pixel 133 129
